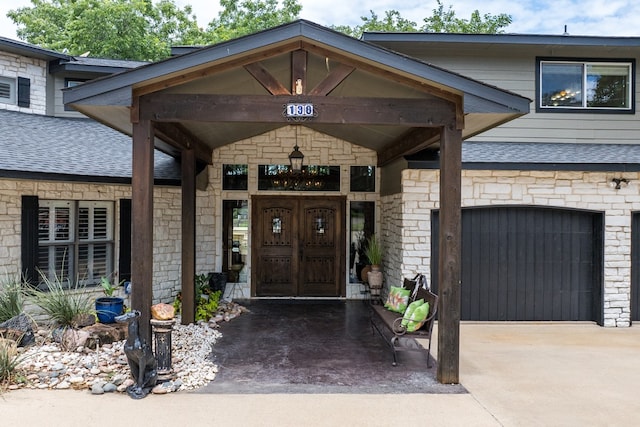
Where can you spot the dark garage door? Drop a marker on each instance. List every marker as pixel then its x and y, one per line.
pixel 635 267
pixel 529 263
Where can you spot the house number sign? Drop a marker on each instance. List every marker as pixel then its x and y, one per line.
pixel 299 110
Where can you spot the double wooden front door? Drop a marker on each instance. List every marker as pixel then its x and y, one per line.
pixel 298 246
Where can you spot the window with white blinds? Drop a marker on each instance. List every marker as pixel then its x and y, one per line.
pixel 75 239
pixel 7 90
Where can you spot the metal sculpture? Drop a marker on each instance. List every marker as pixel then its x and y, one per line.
pixel 142 362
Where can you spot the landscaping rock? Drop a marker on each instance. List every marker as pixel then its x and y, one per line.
pixel 20 329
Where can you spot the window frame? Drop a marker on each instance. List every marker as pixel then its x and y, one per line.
pixel 584 62
pixel 79 238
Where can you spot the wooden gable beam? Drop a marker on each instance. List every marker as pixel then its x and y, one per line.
pixel 335 77
pixel 266 79
pixel 179 137
pixel 410 112
pixel 299 72
pixel 416 140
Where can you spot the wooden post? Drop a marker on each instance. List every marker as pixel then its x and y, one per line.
pixel 142 225
pixel 188 236
pixel 449 266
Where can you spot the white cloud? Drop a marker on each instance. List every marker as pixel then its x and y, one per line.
pixel 583 17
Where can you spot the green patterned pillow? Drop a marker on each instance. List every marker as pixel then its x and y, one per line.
pixel 398 299
pixel 412 307
pixel 418 317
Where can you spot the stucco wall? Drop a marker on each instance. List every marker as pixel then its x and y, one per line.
pixel 580 190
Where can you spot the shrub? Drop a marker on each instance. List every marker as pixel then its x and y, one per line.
pixel 63 304
pixel 9 361
pixel 12 297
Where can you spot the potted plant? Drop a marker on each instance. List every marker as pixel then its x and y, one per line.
pixel 109 306
pixel 373 252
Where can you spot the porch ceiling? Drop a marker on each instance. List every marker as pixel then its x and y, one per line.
pixel 364 94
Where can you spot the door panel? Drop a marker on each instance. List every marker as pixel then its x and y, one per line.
pixel 298 246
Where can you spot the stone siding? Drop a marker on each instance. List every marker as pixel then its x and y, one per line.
pixel 274 148
pixel 579 190
pixel 167 225
pixel 14 66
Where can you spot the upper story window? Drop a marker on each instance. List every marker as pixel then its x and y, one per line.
pixel 7 90
pixel 573 85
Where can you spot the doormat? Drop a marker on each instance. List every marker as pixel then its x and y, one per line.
pixel 316 347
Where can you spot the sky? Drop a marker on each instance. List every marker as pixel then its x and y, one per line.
pixel 582 17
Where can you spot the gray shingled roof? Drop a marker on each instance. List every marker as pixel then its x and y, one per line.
pixel 517 152
pixel 34 145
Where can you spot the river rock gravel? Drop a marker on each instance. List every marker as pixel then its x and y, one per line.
pixel 104 369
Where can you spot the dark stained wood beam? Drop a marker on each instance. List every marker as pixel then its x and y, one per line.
pixel 416 140
pixel 180 138
pixel 142 225
pixel 266 79
pixel 449 262
pixel 188 236
pixel 299 72
pixel 333 79
pixel 214 68
pixel 386 73
pixel 410 112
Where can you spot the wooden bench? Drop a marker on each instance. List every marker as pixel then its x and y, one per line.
pixel 387 323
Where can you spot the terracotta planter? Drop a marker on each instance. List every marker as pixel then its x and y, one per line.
pixel 374 279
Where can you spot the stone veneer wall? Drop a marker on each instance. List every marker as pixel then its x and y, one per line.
pixel 166 220
pixel 14 66
pixel 579 190
pixel 274 148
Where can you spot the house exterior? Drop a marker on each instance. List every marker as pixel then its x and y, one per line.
pixel 546 235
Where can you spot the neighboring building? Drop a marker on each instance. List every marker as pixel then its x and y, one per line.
pixel 546 233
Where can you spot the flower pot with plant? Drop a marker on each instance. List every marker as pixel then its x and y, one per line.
pixel 109 306
pixel 373 253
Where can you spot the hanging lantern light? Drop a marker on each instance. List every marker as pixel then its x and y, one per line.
pixel 295 158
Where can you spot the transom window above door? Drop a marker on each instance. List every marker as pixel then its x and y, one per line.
pixel 587 86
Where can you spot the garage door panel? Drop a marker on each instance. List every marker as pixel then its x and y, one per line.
pixel 527 263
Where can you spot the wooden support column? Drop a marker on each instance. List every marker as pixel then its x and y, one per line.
pixel 188 236
pixel 450 253
pixel 142 225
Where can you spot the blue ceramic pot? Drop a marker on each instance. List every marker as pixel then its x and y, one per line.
pixel 107 308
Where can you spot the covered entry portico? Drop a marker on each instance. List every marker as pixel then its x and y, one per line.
pixel 194 104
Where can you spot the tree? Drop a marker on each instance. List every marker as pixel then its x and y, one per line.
pixel 250 16
pixel 441 21
pixel 445 21
pixel 392 22
pixel 118 29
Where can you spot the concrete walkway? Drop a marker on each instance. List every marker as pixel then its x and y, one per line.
pixel 561 374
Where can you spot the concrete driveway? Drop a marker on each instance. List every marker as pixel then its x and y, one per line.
pixel 517 374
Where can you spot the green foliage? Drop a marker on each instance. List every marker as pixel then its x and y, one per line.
pixel 441 21
pixel 107 287
pixel 207 301
pixel 118 29
pixel 445 21
pixel 207 305
pixel 9 361
pixel 239 18
pixel 373 251
pixel 391 22
pixel 64 301
pixel 12 297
